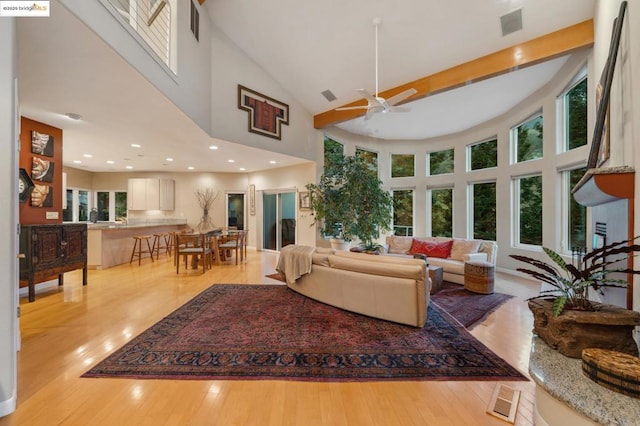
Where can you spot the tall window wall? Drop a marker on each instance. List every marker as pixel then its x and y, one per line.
pixel 501 180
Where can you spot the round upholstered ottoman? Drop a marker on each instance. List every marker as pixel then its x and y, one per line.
pixel 479 277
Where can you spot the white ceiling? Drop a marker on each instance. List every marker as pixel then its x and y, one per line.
pixel 308 46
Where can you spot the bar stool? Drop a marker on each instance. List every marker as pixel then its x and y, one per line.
pixel 169 242
pixel 138 245
pixel 159 244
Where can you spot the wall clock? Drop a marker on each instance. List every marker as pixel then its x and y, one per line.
pixel 25 185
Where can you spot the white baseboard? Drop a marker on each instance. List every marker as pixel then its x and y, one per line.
pixel 9 406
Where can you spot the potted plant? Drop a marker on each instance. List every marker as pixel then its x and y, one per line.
pixel 564 315
pixel 349 202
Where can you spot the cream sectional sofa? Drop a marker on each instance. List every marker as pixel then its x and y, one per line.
pixel 389 288
pixel 462 250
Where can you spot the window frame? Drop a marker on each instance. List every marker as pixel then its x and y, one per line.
pixel 562 111
pixel 469 153
pixel 471 206
pixel 428 162
pixel 429 202
pixel 513 139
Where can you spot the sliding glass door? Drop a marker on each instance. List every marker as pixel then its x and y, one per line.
pixel 279 219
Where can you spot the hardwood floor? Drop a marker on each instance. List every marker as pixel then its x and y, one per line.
pixel 68 329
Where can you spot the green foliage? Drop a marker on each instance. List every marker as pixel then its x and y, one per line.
pixel 484 155
pixel 571 283
pixel 442 212
pixel 531 210
pixel 403 211
pixel 529 141
pixel 350 202
pixel 484 211
pixel 576 105
pixel 402 165
pixel 441 162
pixel 577 213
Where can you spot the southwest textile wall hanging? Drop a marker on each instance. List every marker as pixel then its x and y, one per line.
pixel 265 114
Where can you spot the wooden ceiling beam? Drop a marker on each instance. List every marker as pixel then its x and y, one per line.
pixel 534 51
pixel 201 1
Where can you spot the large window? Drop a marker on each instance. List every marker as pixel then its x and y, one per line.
pixel 403 212
pixel 440 162
pixel 111 205
pixel 576 213
pixel 574 106
pixel 528 199
pixel 483 155
pixel 369 157
pixel 484 210
pixel 526 140
pixel 442 212
pixel 402 165
pixel 77 210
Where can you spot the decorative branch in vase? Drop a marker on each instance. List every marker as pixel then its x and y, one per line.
pixel 206 198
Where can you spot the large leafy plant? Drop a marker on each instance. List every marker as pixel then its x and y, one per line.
pixel 571 283
pixel 349 201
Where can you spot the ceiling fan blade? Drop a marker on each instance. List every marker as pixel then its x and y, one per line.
pixel 368 96
pixel 401 96
pixel 352 108
pixel 399 109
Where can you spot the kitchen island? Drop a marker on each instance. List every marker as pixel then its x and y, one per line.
pixel 110 244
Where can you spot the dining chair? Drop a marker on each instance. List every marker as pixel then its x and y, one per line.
pixel 229 242
pixel 194 245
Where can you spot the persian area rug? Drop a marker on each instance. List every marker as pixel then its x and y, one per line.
pixel 466 306
pixel 271 332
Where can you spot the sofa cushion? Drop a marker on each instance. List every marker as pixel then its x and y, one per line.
pixel 415 271
pixel 399 245
pixel 462 247
pixel 448 265
pixel 431 248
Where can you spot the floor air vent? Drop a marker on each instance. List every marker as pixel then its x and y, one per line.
pixel 504 403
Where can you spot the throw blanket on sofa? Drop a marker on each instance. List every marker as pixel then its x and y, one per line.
pixel 295 261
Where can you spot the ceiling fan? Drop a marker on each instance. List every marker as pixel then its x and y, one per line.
pixel 377 104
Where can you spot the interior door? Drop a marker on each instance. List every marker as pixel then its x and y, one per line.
pixel 279 219
pixel 235 210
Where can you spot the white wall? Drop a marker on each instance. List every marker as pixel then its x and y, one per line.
pixel 190 89
pixel 8 216
pixel 543 100
pixel 231 67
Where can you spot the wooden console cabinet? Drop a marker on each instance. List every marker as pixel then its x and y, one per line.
pixel 50 250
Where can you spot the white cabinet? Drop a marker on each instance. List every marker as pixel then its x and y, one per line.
pixel 167 188
pixel 150 194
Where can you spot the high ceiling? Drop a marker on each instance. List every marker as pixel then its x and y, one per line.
pixel 309 47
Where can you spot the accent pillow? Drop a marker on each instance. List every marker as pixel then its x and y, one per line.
pixel 431 248
pixel 462 247
pixel 400 245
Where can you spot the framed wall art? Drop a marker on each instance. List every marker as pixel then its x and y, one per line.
pixel 252 200
pixel 599 152
pixel 41 144
pixel 304 198
pixel 265 114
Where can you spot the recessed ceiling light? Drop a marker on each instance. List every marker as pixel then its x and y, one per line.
pixel 111 162
pixel 272 162
pixel 129 167
pixel 191 168
pixel 213 147
pixel 73 115
pixel 87 155
pixel 231 161
pixel 242 169
pixel 77 161
pixel 135 145
pixel 169 159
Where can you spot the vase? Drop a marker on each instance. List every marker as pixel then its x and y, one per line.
pixel 338 244
pixel 608 327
